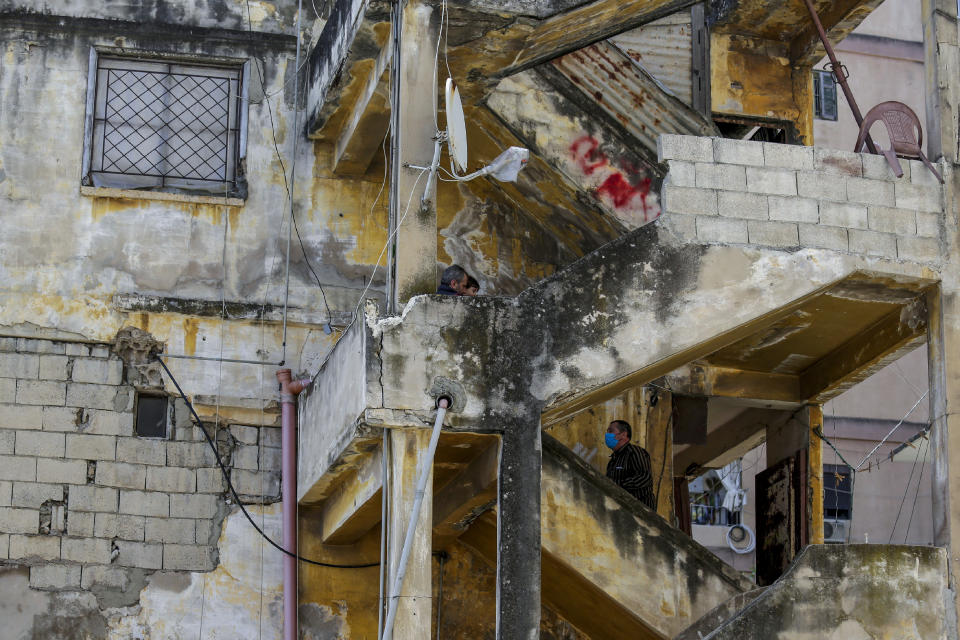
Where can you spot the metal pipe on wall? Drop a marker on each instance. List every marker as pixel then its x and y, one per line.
pixel 289 390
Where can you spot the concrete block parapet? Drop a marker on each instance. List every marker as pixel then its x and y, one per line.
pixel 829 199
pixel 690 148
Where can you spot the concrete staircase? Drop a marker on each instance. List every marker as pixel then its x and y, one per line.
pixel 611 566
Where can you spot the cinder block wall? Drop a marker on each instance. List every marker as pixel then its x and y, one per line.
pixel 88 505
pixel 741 192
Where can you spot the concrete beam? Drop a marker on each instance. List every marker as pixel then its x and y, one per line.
pixel 347 39
pixel 362 136
pixel 902 329
pixel 465 496
pixel 839 18
pixel 729 441
pixel 587 24
pixel 354 506
pixel 725 382
pixel 571 404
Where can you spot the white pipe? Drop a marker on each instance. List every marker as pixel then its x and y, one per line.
pixel 426 464
pixel 384 501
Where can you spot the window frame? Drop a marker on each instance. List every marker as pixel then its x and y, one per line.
pixel 234 195
pixel 166 415
pixel 819 96
pixel 830 486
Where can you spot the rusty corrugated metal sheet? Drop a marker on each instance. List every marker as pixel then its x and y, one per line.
pixel 628 93
pixel 664 49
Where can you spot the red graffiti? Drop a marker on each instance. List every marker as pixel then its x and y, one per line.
pixel 617 188
pixel 618 185
pixel 622 192
pixel 586 154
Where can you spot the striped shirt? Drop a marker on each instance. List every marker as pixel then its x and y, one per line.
pixel 630 468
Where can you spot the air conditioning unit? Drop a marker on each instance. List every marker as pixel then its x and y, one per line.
pixel 836 531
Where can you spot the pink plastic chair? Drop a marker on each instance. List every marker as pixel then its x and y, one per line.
pixel 906 135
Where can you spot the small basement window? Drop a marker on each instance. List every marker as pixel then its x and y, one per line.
pixel 161 124
pixel 151 416
pixel 824 95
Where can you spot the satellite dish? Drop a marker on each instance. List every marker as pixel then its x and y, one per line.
pixel 456 128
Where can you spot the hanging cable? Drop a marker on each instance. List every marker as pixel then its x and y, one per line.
pixel 236 496
pixel 283 170
pixel 906 490
pixel 895 427
pixel 916 496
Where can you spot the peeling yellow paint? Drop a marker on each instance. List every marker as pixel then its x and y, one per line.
pixel 330 587
pixel 752 77
pixel 190 328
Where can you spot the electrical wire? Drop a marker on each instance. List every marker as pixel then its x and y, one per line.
pixel 283 168
pixel 376 266
pixel 916 496
pixel 906 490
pixel 310 266
pixel 236 496
pixel 895 427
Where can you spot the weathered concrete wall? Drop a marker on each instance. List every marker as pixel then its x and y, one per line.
pixel 92 509
pixel 84 266
pixel 789 196
pixel 467 602
pixel 241 597
pixel 875 592
pixel 221 14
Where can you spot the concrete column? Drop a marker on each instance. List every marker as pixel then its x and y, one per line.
pixel 413 613
pixel 941 59
pixel 518 531
pixel 658 441
pixel 414 127
pixel 815 472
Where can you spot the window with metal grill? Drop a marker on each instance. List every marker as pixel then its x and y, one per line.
pixel 824 95
pixel 164 124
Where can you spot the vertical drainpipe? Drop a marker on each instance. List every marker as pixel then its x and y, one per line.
pixel 289 389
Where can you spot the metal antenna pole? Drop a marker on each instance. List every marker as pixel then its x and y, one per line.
pixel 838 72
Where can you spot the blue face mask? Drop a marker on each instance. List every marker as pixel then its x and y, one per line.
pixel 611 440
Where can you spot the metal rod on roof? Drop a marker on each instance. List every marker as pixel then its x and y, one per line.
pixel 838 73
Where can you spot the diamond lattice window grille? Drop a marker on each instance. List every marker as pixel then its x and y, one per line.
pixel 159 124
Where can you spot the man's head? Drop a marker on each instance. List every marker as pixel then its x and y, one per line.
pixel 618 434
pixel 455 277
pixel 472 288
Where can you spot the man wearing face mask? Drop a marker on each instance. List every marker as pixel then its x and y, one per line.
pixel 629 464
